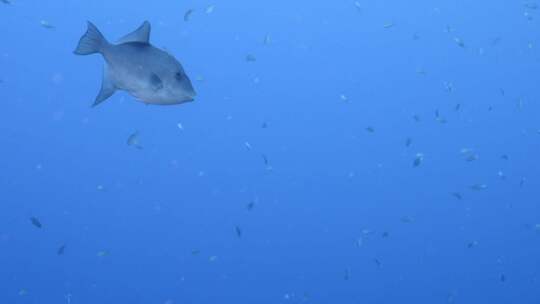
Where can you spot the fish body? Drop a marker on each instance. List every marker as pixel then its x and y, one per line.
pixel 134 65
pixel 35 221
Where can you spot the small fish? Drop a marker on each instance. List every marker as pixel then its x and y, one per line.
pixel 35 221
pixel 238 231
pixel 459 42
pixel 47 25
pixel 370 129
pixel 389 25
pixel 102 253
pixel 478 187
pixel 210 9
pixel 347 275
pixel 133 140
pixel 408 142
pixel 457 195
pixel 407 219
pixel 187 15
pixel 250 206
pixel 530 5
pixel 472 244
pixel 267 40
pixel 457 107
pixel 418 160
pixel 266 163
pixel 61 250
pixel 251 58
pixel 471 157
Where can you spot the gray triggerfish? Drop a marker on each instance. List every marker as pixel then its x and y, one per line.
pixel 132 64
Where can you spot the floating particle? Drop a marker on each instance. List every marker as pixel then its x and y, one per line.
pixel 377 262
pixel 501 175
pixel 416 118
pixel 389 25
pixel 212 258
pixel 418 160
pixel 35 221
pixel 195 252
pixel 531 5
pixel 251 58
pixel 385 235
pixel 357 5
pixel 250 206
pixel 343 97
pixel 180 126
pixel 502 278
pixel 23 292
pixel 448 86
pixel 522 182
pixel 370 129
pixel 187 15
pixel 248 145
pixel 505 157
pixel 359 242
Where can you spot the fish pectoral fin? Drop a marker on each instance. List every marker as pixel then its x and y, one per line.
pixel 142 34
pixel 155 82
pixel 107 89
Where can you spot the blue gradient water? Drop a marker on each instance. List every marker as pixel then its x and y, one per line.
pixel 340 213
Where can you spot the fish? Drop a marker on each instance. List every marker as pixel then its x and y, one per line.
pixel 457 195
pixel 478 187
pixel 418 160
pixel 238 231
pixel 133 141
pixel 46 24
pixel 35 221
pixel 187 15
pixel 134 65
pixel 61 250
pixel 408 142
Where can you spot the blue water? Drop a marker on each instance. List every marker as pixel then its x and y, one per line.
pixel 340 212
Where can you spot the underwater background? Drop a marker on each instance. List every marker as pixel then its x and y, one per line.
pixel 336 152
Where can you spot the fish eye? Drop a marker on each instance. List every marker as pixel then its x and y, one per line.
pixel 179 75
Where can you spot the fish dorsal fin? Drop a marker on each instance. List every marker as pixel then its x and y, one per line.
pixel 142 34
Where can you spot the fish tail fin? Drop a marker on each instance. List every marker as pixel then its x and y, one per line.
pixel 91 42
